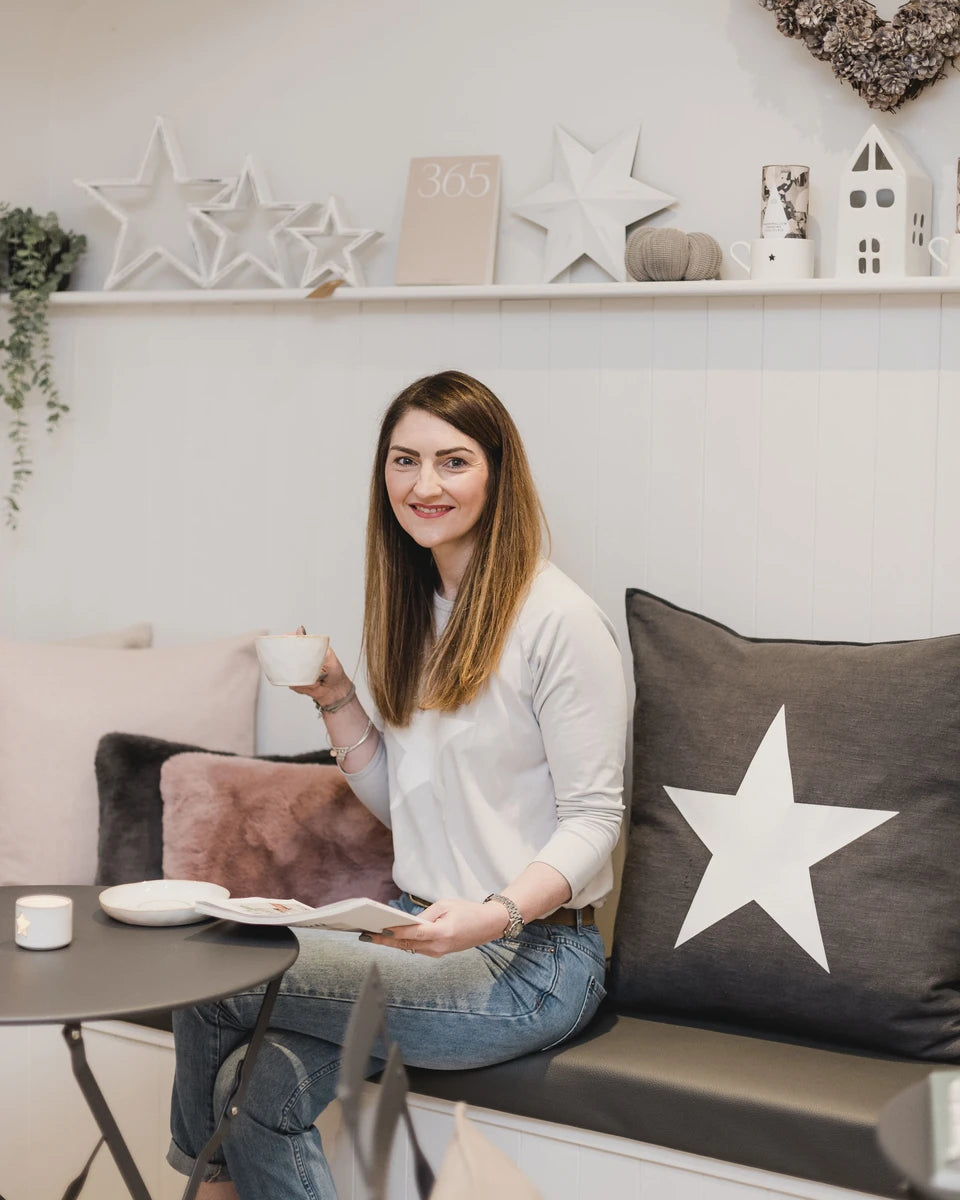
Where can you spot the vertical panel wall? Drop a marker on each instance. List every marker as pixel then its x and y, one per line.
pixel 783 464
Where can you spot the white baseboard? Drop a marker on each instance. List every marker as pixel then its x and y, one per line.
pixel 46 1133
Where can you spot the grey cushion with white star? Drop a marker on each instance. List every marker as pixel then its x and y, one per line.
pixel 794 853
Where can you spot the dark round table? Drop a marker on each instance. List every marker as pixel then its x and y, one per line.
pixel 112 970
pixel 116 970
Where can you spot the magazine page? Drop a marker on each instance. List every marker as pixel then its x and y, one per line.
pixel 357 914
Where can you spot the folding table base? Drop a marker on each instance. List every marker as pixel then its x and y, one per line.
pixel 111 1131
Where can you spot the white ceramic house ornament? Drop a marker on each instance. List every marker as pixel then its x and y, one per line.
pixel 885 208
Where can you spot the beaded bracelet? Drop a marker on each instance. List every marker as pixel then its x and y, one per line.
pixel 337 704
pixel 341 752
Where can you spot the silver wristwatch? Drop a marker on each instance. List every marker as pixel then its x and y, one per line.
pixel 515 924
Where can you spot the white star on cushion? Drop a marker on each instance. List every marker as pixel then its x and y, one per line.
pixel 763 845
pixel 249 221
pixel 23 924
pixel 589 203
pixel 331 248
pixel 159 220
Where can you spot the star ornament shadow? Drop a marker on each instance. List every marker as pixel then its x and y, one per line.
pixel 763 844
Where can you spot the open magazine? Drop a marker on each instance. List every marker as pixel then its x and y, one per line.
pixel 358 915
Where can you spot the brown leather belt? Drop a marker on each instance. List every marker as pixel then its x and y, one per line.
pixel 561 916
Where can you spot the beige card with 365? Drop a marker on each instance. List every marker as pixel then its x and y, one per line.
pixel 450 219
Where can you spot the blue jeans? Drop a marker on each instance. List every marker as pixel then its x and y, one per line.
pixel 469 1009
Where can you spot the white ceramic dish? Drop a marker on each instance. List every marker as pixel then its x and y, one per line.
pixel 159 901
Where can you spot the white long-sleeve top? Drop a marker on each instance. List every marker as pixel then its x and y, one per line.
pixel 529 771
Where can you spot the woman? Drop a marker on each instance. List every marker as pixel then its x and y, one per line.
pixel 499 771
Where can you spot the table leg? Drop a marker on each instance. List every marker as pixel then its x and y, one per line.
pixel 232 1106
pixel 102 1114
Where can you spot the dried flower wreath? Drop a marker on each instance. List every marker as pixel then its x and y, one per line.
pixel 886 62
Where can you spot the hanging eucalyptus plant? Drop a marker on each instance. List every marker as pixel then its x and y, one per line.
pixel 36 258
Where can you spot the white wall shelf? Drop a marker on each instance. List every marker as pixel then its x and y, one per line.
pixel 522 291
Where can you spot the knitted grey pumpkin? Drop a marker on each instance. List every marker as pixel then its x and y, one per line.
pixel 633 256
pixel 705 257
pixel 655 253
pixel 662 254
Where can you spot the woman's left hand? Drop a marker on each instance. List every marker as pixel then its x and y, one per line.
pixel 454 925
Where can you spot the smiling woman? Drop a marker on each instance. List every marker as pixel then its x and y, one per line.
pixel 464 459
pixel 496 761
pixel 437 490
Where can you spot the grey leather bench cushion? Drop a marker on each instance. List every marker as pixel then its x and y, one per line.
pixel 779 1105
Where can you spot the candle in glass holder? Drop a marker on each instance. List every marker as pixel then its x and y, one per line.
pixel 784 201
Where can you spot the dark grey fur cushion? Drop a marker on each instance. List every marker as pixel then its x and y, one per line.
pixel 130 845
pixel 794 853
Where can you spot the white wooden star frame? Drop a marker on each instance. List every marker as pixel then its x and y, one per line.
pixel 332 248
pixel 156 209
pixel 253 234
pixel 590 201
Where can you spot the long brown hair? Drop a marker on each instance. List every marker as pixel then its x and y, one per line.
pixel 407 666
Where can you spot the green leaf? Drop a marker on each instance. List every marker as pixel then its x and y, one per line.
pixel 35 255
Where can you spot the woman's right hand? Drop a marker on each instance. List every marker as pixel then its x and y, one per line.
pixel 332 684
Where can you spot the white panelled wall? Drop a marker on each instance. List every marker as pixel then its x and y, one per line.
pixel 783 464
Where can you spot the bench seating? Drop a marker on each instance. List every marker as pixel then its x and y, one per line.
pixel 775 1104
pixel 778 1105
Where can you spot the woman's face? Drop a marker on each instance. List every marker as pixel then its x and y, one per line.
pixel 436 480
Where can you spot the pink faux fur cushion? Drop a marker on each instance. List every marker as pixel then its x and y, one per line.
pixel 271 829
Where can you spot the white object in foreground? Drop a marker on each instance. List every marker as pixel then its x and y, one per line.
pixel 357 915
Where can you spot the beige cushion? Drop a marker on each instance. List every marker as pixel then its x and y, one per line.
pixel 473 1168
pixel 56 702
pixel 133 637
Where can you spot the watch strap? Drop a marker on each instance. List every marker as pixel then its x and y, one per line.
pixel 515 917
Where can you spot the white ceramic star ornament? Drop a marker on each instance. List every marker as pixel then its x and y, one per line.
pixel 332 248
pixel 590 201
pixel 159 220
pixel 252 224
pixel 763 845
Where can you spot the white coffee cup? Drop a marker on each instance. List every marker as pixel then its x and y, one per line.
pixel 43 922
pixel 292 659
pixel 951 264
pixel 776 258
